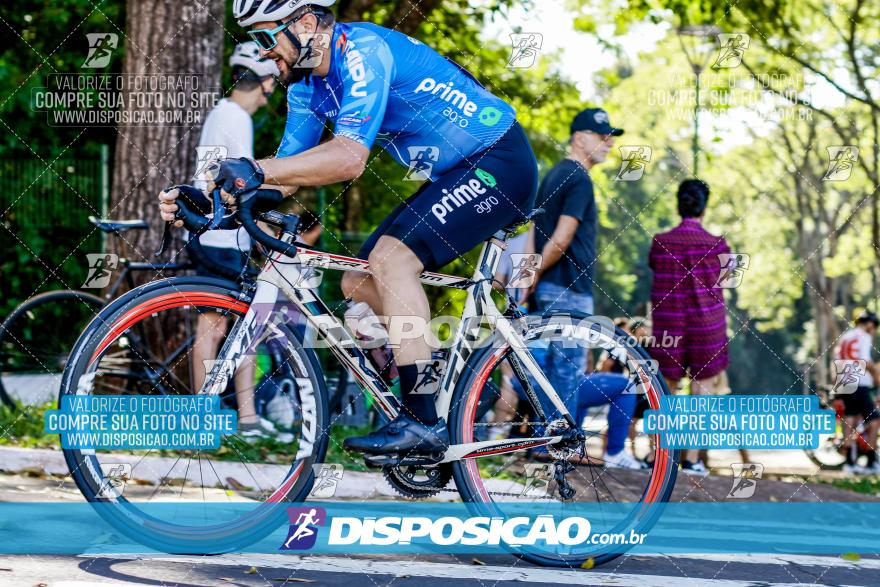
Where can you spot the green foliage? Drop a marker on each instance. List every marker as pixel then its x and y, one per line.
pixel 24 427
pixel 867 485
pixel 49 37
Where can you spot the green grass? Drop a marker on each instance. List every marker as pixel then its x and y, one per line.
pixel 866 485
pixel 24 428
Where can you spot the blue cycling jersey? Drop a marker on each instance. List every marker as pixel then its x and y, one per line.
pixel 386 87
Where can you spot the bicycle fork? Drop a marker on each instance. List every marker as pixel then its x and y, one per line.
pixel 242 338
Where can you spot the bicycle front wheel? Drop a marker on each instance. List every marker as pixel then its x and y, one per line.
pixel 143 345
pixel 617 501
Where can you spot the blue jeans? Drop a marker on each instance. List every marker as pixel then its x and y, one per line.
pixel 596 389
pixel 564 367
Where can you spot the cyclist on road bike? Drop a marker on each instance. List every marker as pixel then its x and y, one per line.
pixel 859 405
pixel 376 85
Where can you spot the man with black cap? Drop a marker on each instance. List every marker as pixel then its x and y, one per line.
pixel 565 235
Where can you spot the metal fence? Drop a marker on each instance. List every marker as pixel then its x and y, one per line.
pixel 37 193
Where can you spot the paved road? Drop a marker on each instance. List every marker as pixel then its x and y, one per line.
pixel 424 570
pixel 431 571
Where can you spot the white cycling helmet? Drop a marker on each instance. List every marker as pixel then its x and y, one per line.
pixel 248 12
pixel 248 55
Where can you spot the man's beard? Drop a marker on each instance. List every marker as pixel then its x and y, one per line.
pixel 297 72
pixel 296 75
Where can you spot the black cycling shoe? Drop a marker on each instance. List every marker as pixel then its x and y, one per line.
pixel 403 436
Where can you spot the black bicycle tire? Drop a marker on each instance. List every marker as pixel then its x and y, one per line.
pixel 459 401
pixel 27 306
pixel 230 538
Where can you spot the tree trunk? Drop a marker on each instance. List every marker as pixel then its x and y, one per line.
pixel 177 40
pixel 354 208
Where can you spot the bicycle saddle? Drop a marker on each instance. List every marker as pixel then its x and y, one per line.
pixel 118 225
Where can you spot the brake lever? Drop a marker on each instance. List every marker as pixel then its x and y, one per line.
pixel 219 209
pixel 166 240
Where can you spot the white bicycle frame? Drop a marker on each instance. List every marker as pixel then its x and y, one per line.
pixel 284 274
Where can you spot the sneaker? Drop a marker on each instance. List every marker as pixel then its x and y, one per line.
pixel 697 468
pixel 262 429
pixel 856 470
pixel 622 460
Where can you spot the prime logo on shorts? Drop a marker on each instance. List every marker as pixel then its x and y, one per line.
pixel 470 190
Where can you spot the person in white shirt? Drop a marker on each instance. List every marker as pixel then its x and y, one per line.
pixel 859 407
pixel 229 132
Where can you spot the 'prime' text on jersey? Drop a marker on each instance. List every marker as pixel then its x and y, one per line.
pixel 386 87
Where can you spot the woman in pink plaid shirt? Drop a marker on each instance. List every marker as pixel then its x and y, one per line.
pixel 690 321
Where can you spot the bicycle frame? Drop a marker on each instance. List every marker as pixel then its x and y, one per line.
pixel 283 274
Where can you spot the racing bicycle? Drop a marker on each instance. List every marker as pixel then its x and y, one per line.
pixel 489 474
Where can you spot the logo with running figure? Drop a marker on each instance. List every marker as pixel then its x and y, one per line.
pixel 733 265
pixel 843 159
pixel 421 162
pixel 745 480
pixel 313 47
pixel 847 373
pixel 537 479
pixel 116 475
pixel 732 47
pixel 526 47
pixel 430 374
pixel 207 156
pixel 525 269
pixel 642 373
pixel 101 266
pixel 634 160
pixel 101 46
pixel 304 524
pixel 328 476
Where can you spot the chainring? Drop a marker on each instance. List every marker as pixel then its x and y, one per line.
pixel 418 481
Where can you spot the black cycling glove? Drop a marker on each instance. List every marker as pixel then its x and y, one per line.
pixel 236 176
pixel 193 198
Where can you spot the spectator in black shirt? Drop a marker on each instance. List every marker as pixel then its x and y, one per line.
pixel 565 235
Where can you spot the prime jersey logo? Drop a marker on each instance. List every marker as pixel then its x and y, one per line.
pixel 446 92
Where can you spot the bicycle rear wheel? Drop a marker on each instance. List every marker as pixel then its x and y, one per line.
pixel 615 500
pixel 829 455
pixel 241 487
pixel 35 340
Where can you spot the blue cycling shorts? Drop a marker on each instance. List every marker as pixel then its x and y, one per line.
pixel 484 193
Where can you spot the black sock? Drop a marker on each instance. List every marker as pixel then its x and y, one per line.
pixel 850 456
pixel 872 457
pixel 419 405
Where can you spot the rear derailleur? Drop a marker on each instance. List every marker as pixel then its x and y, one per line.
pixel 571 446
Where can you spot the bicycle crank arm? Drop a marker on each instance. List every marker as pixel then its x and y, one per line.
pixel 488 448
